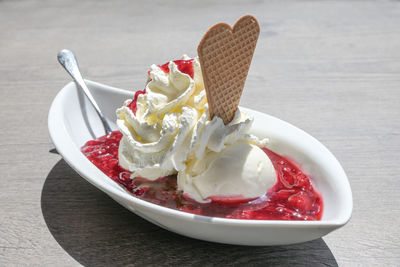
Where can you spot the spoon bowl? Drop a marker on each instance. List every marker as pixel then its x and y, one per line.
pixel 73 120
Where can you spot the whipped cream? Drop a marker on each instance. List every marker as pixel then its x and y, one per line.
pixel 172 133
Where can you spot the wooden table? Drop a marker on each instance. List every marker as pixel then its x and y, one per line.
pixel 332 68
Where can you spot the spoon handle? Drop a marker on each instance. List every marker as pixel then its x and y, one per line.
pixel 68 61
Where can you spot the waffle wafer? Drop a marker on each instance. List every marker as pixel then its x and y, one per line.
pixel 225 54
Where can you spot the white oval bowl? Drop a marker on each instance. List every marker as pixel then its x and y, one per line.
pixel 72 121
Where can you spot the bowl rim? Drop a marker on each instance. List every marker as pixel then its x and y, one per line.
pixel 60 137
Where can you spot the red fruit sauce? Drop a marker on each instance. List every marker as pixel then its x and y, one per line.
pixel 133 105
pixel 292 198
pixel 184 66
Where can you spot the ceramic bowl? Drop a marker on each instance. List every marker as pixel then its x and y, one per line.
pixel 72 121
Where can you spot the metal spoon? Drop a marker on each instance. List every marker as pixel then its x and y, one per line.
pixel 68 61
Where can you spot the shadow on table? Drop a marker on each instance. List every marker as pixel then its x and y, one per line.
pixel 95 230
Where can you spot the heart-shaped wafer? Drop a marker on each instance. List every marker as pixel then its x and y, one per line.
pixel 225 54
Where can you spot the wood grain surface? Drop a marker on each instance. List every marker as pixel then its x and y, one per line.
pixel 331 68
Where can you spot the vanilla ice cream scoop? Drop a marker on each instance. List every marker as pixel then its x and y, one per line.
pixel 240 171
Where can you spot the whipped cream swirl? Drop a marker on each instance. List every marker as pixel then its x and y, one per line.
pixel 171 128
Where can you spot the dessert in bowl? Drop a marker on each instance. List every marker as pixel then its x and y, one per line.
pixel 172 153
pixel 190 169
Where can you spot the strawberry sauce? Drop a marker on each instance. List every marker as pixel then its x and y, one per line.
pixel 133 104
pixel 293 197
pixel 184 66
